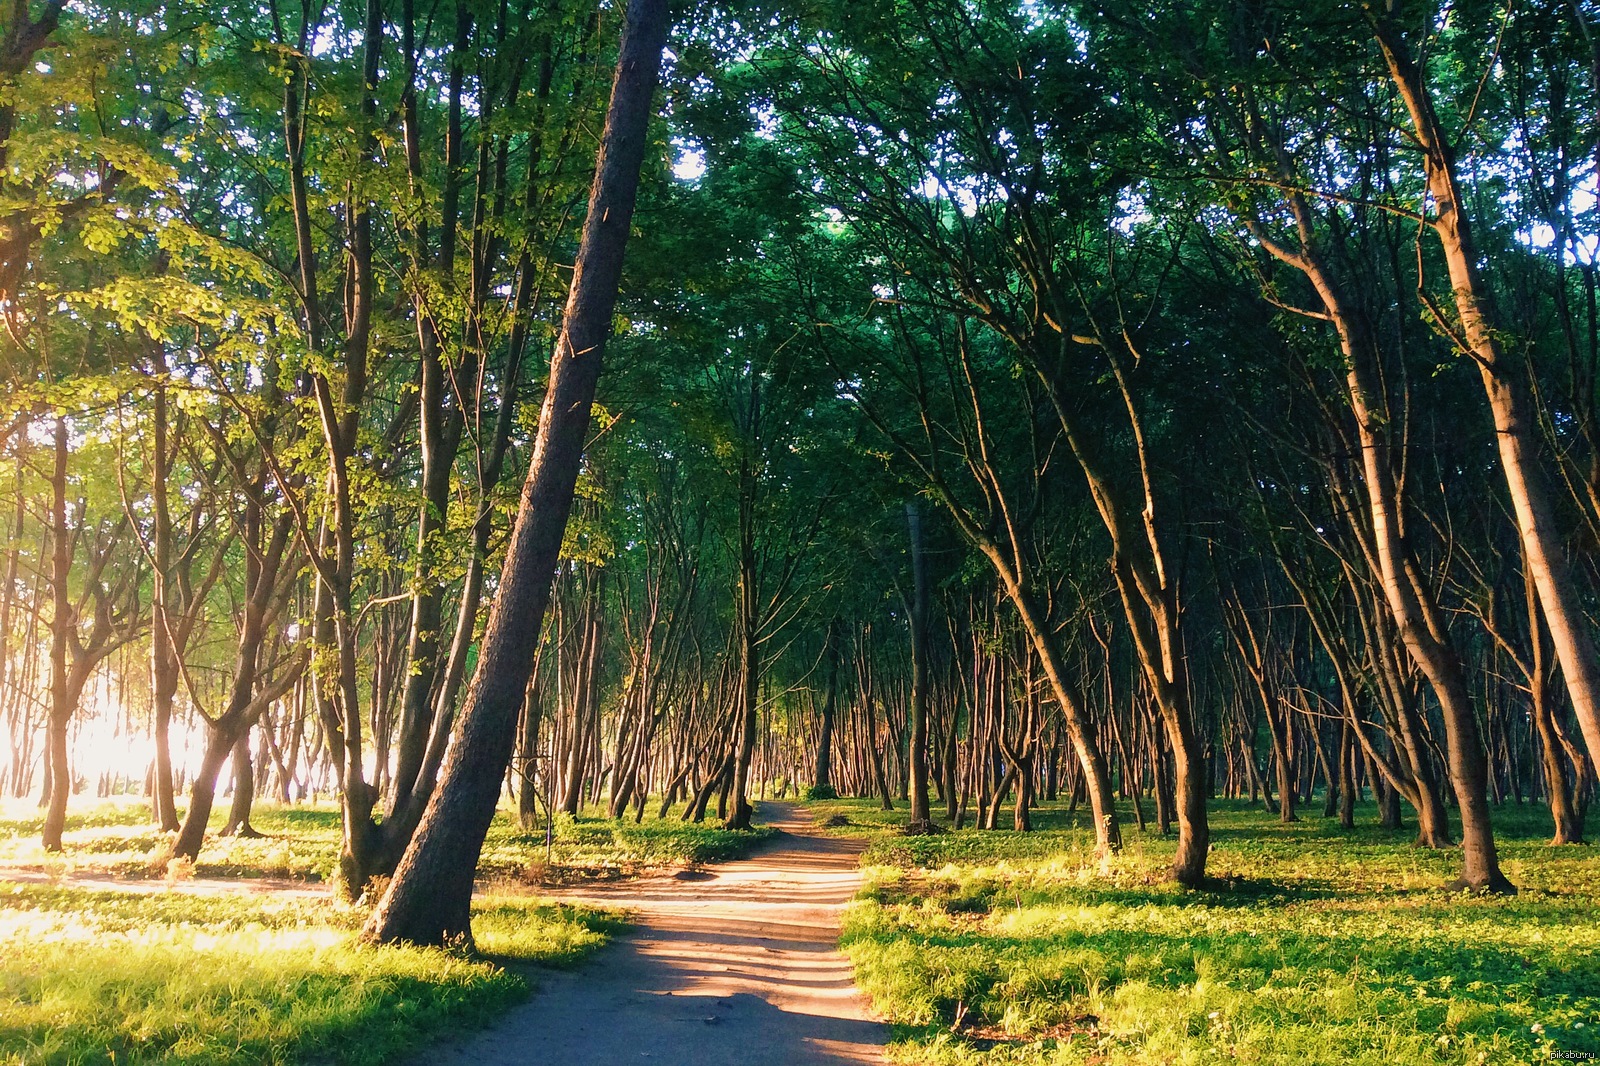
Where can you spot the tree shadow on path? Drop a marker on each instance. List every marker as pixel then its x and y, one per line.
pixel 738 969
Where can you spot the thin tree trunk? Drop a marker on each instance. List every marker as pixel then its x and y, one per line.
pixel 920 815
pixel 63 702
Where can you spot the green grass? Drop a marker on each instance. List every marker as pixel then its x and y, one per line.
pixel 1315 946
pixel 298 843
pixel 101 977
pixel 860 817
pixel 90 976
pixel 302 843
pixel 603 847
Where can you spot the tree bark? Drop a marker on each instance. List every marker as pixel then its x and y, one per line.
pixel 63 704
pixel 429 899
pixel 823 777
pixel 919 668
pixel 163 655
pixel 1515 421
pixel 1408 600
pixel 244 790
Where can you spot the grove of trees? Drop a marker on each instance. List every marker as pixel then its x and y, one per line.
pixel 1132 404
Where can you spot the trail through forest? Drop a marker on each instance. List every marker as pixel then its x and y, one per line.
pixel 737 964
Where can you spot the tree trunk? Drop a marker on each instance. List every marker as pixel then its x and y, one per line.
pixel 1407 597
pixel 1563 807
pixel 244 790
pixel 63 702
pixel 163 655
pixel 202 795
pixel 920 815
pixel 1347 778
pixel 429 899
pixel 1515 421
pixel 823 777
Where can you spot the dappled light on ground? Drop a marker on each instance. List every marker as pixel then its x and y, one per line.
pixel 739 968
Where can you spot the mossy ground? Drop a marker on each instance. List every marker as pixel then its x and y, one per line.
pixel 1313 945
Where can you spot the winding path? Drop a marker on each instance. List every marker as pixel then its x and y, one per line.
pixel 737 965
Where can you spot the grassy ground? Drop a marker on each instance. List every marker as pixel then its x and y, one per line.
pixel 117 977
pixel 258 976
pixel 1316 946
pixel 302 843
pixel 594 847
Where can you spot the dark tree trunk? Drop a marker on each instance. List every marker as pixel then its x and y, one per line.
pixel 1347 779
pixel 429 899
pixel 823 778
pixel 244 790
pixel 920 814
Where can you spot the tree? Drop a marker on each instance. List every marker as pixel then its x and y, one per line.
pixel 429 899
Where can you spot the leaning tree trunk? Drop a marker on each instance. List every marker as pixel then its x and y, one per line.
pixel 1515 419
pixel 1415 614
pixel 429 899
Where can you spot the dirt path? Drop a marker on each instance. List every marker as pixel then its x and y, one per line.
pixel 735 966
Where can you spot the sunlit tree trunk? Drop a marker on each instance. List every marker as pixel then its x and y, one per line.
pixel 1515 420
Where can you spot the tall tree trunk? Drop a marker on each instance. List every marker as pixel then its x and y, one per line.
pixel 63 704
pixel 429 899
pixel 823 777
pixel 1408 599
pixel 1515 420
pixel 163 654
pixel 749 615
pixel 920 814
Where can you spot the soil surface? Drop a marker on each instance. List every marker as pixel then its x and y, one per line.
pixel 733 965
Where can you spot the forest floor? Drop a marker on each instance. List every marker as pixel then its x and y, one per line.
pixel 732 965
pixel 114 842
pixel 109 955
pixel 1311 945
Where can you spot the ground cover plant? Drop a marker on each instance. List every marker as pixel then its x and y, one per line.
pixel 1310 945
pixel 100 976
pixel 599 847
